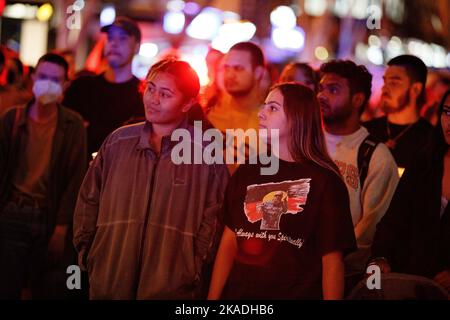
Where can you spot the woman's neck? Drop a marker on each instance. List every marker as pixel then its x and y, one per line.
pixel 283 151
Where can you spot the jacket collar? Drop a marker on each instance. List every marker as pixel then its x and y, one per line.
pixel 61 117
pixel 167 144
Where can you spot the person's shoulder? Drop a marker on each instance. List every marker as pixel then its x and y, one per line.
pixel 318 172
pixel 135 80
pixel 382 153
pixel 382 163
pixel 374 122
pixel 247 168
pixel 10 112
pixel 246 173
pixel 71 115
pixel 424 125
pixel 83 83
pixel 86 79
pixel 129 131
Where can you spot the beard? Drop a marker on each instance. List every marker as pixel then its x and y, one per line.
pixel 402 102
pixel 238 91
pixel 337 116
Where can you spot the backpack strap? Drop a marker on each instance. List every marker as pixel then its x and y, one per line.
pixel 365 151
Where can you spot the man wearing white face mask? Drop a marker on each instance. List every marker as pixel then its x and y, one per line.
pixel 42 163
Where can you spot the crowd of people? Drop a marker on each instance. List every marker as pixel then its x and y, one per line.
pixel 87 178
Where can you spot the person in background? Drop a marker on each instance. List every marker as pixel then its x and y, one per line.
pixel 213 92
pixel 14 93
pixel 403 94
pixel 300 72
pixel 243 69
pixel 145 227
pixel 109 100
pixel 268 80
pixel 414 235
pixel 368 168
pixel 42 164
pixel 286 233
pixel 435 92
pixel 69 55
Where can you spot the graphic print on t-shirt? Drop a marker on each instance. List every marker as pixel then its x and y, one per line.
pixel 268 202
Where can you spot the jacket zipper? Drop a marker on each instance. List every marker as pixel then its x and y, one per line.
pixel 144 231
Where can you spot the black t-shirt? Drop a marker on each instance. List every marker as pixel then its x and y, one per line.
pixel 413 138
pixel 284 224
pixel 105 105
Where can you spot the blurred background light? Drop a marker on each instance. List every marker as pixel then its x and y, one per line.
pixel 191 8
pixel 232 33
pixel 439 56
pixel 148 50
pixel 173 22
pixel 359 9
pixel 375 41
pixel 107 15
pixel 283 17
pixel 198 63
pixel 315 7
pixel 206 25
pixel 394 48
pixel 341 8
pixel 20 11
pixel 291 39
pixel 175 5
pixel 45 12
pixel 321 53
pixel 375 55
pixel 230 16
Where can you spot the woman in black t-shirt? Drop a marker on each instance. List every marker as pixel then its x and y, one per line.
pixel 286 233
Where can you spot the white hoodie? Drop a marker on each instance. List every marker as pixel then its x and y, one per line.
pixel 370 204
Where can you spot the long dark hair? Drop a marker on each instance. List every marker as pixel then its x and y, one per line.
pixel 437 145
pixel 307 140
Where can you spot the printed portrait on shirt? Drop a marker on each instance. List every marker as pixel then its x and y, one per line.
pixel 269 202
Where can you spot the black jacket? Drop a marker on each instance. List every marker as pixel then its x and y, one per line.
pixel 412 236
pixel 68 160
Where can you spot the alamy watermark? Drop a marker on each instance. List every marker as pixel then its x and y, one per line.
pixel 74 11
pixel 237 150
pixel 74 279
pixel 374 18
pixel 374 279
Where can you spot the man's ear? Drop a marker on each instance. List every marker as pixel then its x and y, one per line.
pixel 65 85
pixel 188 105
pixel 358 100
pixel 259 72
pixel 416 89
pixel 137 48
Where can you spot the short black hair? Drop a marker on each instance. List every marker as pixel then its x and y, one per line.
pixel 56 59
pixel 257 56
pixel 358 77
pixel 416 71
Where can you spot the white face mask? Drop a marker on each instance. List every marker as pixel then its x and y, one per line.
pixel 46 91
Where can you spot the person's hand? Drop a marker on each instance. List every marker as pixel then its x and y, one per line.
pixel 382 264
pixel 57 244
pixel 443 279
